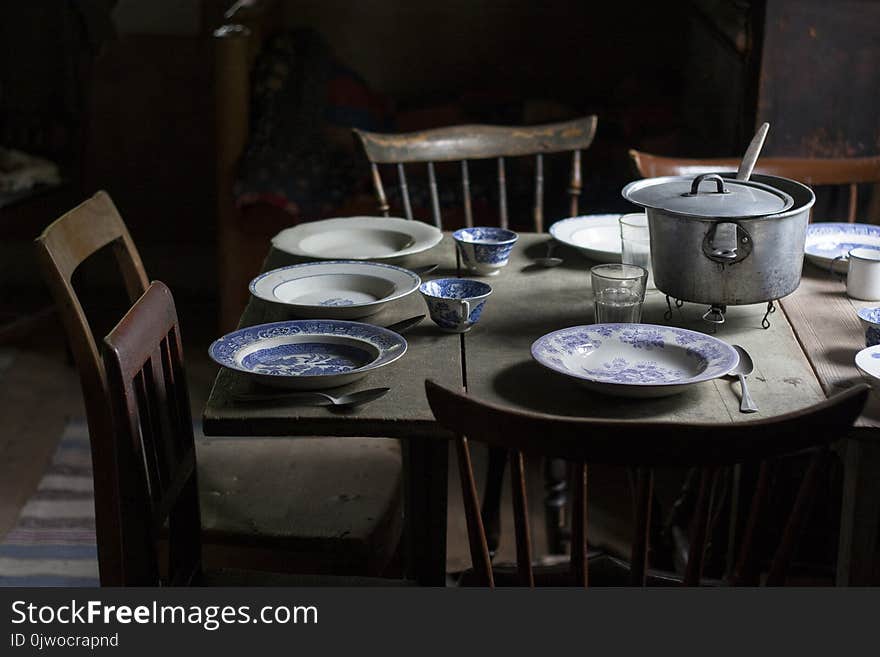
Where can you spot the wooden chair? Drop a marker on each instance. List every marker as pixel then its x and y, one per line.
pixel 644 445
pixel 160 524
pixel 317 505
pixel 819 171
pixel 479 142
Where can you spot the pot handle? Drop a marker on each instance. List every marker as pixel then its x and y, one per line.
pixel 736 247
pixel 718 180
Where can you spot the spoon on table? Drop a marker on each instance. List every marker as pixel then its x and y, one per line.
pixel 548 260
pixel 314 398
pixel 742 370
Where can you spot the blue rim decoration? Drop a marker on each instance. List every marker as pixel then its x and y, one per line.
pixel 488 235
pixel 715 357
pixel 455 288
pixel 834 239
pixel 389 345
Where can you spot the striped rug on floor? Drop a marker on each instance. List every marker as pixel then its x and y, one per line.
pixel 53 541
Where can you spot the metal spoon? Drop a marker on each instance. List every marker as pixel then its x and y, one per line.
pixel 752 152
pixel 548 261
pixel 314 398
pixel 742 370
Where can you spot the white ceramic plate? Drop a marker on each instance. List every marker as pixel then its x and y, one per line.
pixel 335 289
pixel 597 236
pixel 308 354
pixel 357 238
pixel 635 360
pixel 827 241
pixel 868 363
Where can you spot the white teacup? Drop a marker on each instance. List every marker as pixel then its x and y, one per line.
pixel 863 277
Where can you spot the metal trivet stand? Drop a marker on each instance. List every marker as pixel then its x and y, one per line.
pixel 715 314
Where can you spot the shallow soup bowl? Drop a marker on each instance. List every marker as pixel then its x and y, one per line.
pixel 485 250
pixel 455 304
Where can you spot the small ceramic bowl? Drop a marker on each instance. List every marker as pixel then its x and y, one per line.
pixel 455 304
pixel 870 318
pixel 485 250
pixel 868 363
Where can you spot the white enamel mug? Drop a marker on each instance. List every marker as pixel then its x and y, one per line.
pixel 863 277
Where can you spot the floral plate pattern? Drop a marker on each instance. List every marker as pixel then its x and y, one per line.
pixel 827 241
pixel 308 354
pixel 635 360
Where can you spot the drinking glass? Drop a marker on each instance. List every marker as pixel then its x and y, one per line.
pixel 618 293
pixel 635 241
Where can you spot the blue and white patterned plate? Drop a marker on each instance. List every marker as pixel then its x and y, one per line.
pixel 635 360
pixel 597 236
pixel 334 289
pixel 868 363
pixel 827 241
pixel 308 354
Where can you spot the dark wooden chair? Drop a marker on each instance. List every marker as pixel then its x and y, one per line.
pixel 315 505
pixel 644 445
pixel 481 142
pixel 478 142
pixel 812 171
pixel 155 457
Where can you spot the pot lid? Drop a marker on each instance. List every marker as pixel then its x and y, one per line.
pixel 708 196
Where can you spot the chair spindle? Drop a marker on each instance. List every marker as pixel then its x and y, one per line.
pixel 435 199
pixel 380 191
pixel 404 191
pixel 574 189
pixel 480 560
pixel 644 490
pixel 521 519
pixel 466 193
pixel 579 526
pixel 797 520
pixel 853 202
pixel 502 193
pixel 539 193
pixel 699 533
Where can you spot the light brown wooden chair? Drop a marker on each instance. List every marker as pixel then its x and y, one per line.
pixel 160 525
pixel 314 505
pixel 484 142
pixel 812 171
pixel 479 142
pixel 644 445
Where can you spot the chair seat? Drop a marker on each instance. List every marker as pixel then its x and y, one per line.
pixel 306 505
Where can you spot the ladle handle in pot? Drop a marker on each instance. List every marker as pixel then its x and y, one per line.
pixel 752 152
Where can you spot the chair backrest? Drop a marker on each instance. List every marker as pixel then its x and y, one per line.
pixel 62 247
pixel 479 142
pixel 156 461
pixel 644 445
pixel 812 171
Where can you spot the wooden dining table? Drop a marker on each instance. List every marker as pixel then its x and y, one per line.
pixel 805 353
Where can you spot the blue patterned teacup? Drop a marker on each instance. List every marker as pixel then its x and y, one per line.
pixel 485 250
pixel 455 304
pixel 870 318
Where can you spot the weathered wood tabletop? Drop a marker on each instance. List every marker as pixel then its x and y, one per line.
pixel 528 301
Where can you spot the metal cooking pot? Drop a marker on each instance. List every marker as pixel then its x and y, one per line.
pixel 722 241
